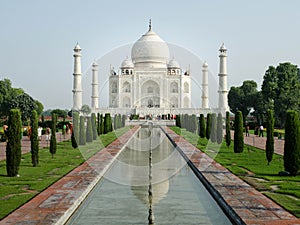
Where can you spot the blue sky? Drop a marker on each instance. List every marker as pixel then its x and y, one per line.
pixel 38 36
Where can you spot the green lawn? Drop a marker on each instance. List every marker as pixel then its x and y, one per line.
pixel 15 191
pixel 251 166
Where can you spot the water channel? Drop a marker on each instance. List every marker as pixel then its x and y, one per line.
pixel 149 183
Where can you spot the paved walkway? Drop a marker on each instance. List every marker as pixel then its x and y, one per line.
pixel 26 144
pixel 56 203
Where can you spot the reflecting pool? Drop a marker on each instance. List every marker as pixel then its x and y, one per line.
pixel 149 183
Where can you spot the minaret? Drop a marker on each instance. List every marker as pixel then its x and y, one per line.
pixel 95 97
pixel 223 102
pixel 204 86
pixel 77 87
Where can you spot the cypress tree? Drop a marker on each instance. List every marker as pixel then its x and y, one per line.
pixel 82 134
pixel 94 128
pixel 98 124
pixel 177 120
pixel 208 126
pixel 75 129
pixel 107 123
pixel 115 122
pixel 193 123
pixel 34 142
pixel 101 124
pixel 228 135
pixel 213 133
pixel 270 136
pixel 238 133
pixel 89 130
pixel 291 154
pixel 53 135
pixel 202 129
pixel 124 117
pixel 13 147
pixel 73 140
pixel 219 128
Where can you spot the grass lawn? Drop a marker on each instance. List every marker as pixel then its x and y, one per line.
pixel 251 166
pixel 15 191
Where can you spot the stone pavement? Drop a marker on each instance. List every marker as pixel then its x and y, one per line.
pixel 56 203
pixel 25 143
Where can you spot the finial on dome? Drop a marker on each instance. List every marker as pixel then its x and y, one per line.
pixel 150 25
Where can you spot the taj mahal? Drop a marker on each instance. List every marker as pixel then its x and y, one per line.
pixel 150 83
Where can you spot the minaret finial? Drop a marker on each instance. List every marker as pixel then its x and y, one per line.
pixel 150 25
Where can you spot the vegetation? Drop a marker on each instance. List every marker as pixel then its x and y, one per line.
pixel 94 126
pixel 13 147
pixel 213 133
pixel 34 142
pixel 270 136
pixel 16 191
pixel 238 133
pixel 219 128
pixel 243 98
pixel 82 133
pixel 281 90
pixel 89 130
pixel 228 135
pixel 75 130
pixel 12 98
pixel 85 109
pixel 208 126
pixel 250 165
pixel 292 143
pixel 107 123
pixel 202 129
pixel 53 135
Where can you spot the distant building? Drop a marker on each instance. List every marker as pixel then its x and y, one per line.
pixel 150 83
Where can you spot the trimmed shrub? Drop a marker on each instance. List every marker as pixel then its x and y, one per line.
pixel 82 134
pixel 202 129
pixel 13 146
pixel 89 130
pixel 75 128
pixel 98 124
pixel 228 134
pixel 94 128
pixel 101 124
pixel 34 142
pixel 73 140
pixel 213 132
pixel 177 120
pixel 53 135
pixel 107 123
pixel 291 154
pixel 219 128
pixel 208 126
pixel 124 117
pixel 238 133
pixel 270 136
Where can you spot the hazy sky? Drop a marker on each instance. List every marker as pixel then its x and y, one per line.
pixel 37 38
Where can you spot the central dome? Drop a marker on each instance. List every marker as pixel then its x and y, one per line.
pixel 150 51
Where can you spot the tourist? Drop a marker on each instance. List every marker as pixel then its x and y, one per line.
pixel 247 130
pixel 40 133
pixel 261 131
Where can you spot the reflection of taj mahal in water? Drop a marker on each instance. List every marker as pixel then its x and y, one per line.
pixel 150 83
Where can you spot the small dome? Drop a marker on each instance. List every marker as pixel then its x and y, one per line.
pixel 173 64
pixel 77 47
pixel 223 48
pixel 95 64
pixel 150 51
pixel 127 63
pixel 205 64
